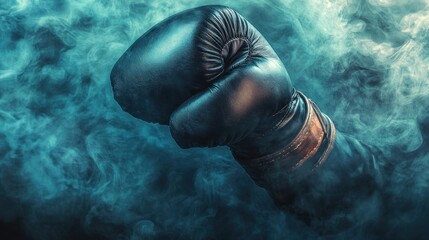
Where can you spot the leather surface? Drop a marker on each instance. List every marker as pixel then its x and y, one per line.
pixel 210 75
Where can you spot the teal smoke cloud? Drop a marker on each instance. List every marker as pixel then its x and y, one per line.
pixel 73 165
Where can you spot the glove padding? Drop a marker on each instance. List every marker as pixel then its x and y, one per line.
pixel 213 78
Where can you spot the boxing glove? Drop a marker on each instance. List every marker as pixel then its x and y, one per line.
pixel 214 79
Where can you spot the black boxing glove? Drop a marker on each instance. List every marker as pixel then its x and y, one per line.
pixel 215 80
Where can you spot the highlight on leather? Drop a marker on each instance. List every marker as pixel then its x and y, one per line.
pixel 307 151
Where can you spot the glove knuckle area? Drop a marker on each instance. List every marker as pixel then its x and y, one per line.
pixel 142 94
pixel 160 63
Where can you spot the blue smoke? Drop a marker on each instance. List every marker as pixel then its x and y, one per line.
pixel 73 165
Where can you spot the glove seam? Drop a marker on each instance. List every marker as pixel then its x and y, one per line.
pixel 289 112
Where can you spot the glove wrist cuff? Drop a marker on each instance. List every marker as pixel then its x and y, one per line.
pixel 306 152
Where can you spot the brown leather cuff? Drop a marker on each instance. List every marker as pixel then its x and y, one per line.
pixel 306 152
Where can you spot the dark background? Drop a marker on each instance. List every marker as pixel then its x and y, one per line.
pixel 73 165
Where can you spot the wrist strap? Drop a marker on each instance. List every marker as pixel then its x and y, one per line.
pixel 306 152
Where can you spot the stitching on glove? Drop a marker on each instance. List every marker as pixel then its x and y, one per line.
pixel 233 66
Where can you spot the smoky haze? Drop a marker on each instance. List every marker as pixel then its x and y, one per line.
pixel 73 165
